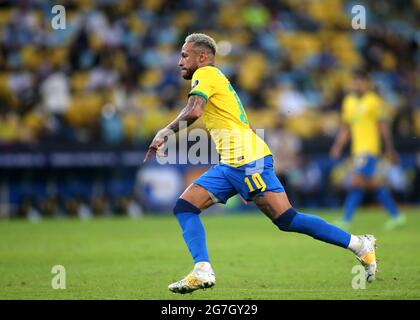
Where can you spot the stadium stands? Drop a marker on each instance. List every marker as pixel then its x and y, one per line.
pixel 111 76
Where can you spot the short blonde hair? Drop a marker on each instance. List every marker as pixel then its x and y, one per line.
pixel 202 40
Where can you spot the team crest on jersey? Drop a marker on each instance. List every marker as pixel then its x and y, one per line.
pixel 194 84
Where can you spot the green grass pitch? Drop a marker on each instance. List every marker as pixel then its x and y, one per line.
pixel 120 258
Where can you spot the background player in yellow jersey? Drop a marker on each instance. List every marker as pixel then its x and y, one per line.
pixel 365 120
pixel 246 167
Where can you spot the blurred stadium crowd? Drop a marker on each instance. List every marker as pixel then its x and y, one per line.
pixel 111 75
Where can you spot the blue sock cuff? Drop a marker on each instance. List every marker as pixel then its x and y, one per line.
pixel 285 219
pixel 184 206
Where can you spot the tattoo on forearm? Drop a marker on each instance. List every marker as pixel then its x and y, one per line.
pixel 189 113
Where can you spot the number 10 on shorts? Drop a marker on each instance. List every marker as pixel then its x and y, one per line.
pixel 258 182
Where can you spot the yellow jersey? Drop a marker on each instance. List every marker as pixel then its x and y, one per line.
pixel 226 120
pixel 363 114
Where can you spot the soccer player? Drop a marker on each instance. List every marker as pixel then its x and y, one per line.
pixel 246 167
pixel 364 122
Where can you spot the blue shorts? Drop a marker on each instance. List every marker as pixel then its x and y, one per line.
pixel 252 179
pixel 365 165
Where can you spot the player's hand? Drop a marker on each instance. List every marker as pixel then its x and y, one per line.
pixel 157 144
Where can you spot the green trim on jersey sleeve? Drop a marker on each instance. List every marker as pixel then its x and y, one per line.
pixel 199 93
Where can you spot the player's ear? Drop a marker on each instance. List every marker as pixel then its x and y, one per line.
pixel 203 56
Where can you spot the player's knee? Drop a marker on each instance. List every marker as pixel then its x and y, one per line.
pixel 182 206
pixel 284 220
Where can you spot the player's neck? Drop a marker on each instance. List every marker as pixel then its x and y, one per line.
pixel 208 64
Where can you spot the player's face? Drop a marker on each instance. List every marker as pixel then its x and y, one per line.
pixel 189 61
pixel 360 85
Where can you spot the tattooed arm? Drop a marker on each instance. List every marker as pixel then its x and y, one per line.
pixel 192 111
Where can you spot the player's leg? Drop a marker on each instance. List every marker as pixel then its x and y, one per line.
pixel 384 196
pixel 278 208
pixel 211 187
pixel 257 182
pixel 353 199
pixel 260 184
pixel 187 209
pixel 364 168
